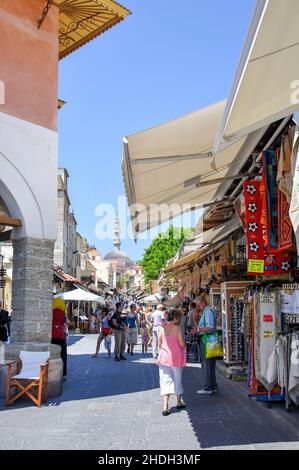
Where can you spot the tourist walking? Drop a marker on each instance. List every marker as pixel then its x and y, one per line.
pixel 158 318
pixel 132 328
pixel 76 316
pixel 207 324
pixel 98 314
pixel 183 322
pixel 144 336
pixel 119 327
pixel 92 323
pixel 171 360
pixel 4 327
pixel 149 324
pixel 105 332
pixel 59 336
pixel 192 317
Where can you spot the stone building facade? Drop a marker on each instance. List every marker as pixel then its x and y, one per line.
pixel 65 248
pixel 31 44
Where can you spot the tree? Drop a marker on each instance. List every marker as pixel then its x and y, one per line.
pixel 123 281
pixel 162 248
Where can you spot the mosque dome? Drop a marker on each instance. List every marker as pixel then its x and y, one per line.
pixel 118 255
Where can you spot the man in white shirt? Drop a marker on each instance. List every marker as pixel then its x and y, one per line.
pixel 158 319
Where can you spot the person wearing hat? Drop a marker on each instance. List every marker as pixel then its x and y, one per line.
pixel 59 325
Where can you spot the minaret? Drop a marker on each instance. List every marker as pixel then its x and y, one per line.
pixel 117 241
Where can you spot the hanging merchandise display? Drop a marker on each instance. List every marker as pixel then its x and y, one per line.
pixel 293 382
pixel 284 166
pixel 283 367
pixel 271 199
pixel 239 205
pixel 290 304
pixel 254 228
pixel 267 321
pixel 294 204
pixel 266 326
pixel 232 295
pixel 285 234
pixel 237 345
pixel 268 225
pixel 215 299
pixel 275 216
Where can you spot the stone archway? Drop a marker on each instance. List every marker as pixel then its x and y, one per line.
pixel 33 247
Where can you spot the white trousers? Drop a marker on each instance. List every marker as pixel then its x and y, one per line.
pixel 171 380
pixel 155 343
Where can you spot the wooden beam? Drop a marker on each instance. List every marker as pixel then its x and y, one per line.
pixel 10 221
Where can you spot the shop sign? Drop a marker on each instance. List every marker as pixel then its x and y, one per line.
pixel 268 318
pixel 291 319
pixel 268 334
pixel 256 266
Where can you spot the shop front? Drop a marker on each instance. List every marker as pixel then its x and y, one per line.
pixel 237 159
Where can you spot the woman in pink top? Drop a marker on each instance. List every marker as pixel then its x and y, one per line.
pixel 171 360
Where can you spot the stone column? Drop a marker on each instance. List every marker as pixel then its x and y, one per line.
pixel 32 294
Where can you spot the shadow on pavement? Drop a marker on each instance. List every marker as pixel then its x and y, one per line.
pixel 90 377
pixel 229 418
pixel 225 419
pixel 73 339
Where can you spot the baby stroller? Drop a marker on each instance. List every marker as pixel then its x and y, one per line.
pixel 192 347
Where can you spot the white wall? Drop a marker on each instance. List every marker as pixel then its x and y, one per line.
pixel 28 176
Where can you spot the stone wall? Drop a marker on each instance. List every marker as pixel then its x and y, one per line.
pixel 60 255
pixel 32 290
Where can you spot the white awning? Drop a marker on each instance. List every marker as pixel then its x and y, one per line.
pixel 80 295
pixel 265 84
pixel 152 299
pixel 169 169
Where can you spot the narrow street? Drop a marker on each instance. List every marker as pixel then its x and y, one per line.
pixel 109 406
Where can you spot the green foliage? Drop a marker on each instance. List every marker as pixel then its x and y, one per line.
pixel 123 281
pixel 162 248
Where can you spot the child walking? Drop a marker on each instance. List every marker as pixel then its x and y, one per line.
pixel 144 336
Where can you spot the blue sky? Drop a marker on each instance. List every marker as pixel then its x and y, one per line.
pixel 166 59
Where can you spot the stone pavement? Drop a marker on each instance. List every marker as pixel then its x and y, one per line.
pixel 116 405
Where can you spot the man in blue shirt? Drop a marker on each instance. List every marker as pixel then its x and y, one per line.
pixel 207 324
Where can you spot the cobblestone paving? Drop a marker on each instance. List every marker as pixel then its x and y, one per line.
pixel 117 405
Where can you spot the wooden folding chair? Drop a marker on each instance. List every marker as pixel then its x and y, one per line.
pixel 31 374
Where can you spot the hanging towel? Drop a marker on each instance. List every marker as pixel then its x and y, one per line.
pixel 267 326
pixel 294 206
pixel 272 373
pixel 284 170
pixel 294 370
pixel 277 365
pixel 270 176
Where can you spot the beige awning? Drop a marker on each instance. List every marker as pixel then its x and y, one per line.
pixel 265 84
pixel 169 169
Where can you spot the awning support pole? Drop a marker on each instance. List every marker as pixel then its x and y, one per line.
pixel 171 158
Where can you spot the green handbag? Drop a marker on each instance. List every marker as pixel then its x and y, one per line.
pixel 212 345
